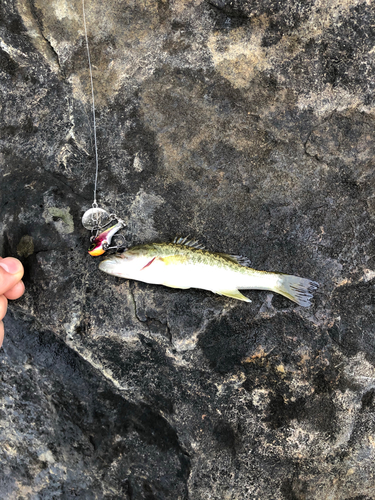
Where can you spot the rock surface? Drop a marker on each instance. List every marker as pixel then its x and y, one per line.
pixel 248 125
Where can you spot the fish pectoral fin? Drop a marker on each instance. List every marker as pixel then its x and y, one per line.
pixel 233 294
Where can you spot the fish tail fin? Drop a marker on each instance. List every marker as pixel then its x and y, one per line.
pixel 297 289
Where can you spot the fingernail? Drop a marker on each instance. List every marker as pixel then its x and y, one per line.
pixel 11 266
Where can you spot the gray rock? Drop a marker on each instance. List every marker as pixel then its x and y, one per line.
pixel 250 127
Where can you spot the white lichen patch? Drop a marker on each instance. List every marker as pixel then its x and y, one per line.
pixel 46 456
pixel 239 55
pixel 137 163
pixel 61 218
pixel 260 398
pixel 329 99
pixel 65 10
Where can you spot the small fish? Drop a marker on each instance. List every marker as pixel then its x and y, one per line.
pixel 101 243
pixel 185 264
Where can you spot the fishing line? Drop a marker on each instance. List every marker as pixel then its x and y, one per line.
pixel 97 218
pixel 93 106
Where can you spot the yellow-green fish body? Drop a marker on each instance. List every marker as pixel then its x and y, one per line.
pixel 185 264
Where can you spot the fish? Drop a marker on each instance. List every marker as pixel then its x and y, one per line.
pixel 187 264
pixel 101 243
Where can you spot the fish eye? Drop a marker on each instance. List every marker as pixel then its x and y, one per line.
pixel 92 247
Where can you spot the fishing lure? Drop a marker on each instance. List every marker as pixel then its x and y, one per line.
pixel 101 243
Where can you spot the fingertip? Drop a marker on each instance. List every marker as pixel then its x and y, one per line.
pixel 12 266
pixel 3 306
pixel 1 333
pixel 16 292
pixel 11 272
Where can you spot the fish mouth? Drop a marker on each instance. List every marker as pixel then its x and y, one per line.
pixel 110 264
pixel 107 265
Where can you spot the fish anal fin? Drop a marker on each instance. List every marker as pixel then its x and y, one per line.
pixel 233 294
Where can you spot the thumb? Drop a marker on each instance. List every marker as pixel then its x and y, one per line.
pixel 11 272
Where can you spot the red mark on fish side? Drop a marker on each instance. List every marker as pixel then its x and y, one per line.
pixel 148 264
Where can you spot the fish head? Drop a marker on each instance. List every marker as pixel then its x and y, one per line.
pixel 129 264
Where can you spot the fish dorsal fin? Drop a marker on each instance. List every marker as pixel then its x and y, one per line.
pixel 237 259
pixel 188 243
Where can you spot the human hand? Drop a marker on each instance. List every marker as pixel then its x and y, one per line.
pixel 11 286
